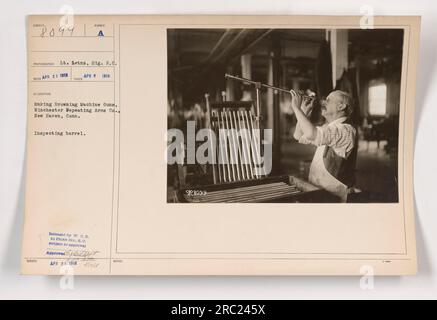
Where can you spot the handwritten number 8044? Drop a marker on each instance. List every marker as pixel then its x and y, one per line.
pixel 60 32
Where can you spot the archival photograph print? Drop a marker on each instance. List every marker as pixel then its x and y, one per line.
pixel 283 115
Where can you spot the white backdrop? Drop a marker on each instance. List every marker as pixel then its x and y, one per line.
pixel 12 153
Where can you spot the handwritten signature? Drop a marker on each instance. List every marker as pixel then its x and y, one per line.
pixel 85 254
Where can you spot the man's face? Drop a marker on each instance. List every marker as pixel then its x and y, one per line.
pixel 330 106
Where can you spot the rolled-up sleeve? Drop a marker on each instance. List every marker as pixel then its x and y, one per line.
pixel 341 137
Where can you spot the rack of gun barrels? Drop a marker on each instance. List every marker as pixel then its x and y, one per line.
pixel 280 189
pixel 238 150
pixel 245 194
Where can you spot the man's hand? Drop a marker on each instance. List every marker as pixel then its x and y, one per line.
pixel 307 106
pixel 308 129
pixel 298 101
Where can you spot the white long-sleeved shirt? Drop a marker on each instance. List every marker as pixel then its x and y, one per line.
pixel 336 134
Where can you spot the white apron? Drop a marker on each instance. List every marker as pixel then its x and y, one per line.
pixel 321 177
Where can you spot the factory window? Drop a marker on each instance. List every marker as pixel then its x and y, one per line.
pixel 377 98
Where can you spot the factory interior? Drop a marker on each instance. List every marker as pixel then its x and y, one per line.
pixel 365 63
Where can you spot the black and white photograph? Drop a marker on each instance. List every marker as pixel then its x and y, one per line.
pixel 283 115
pixel 218 156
